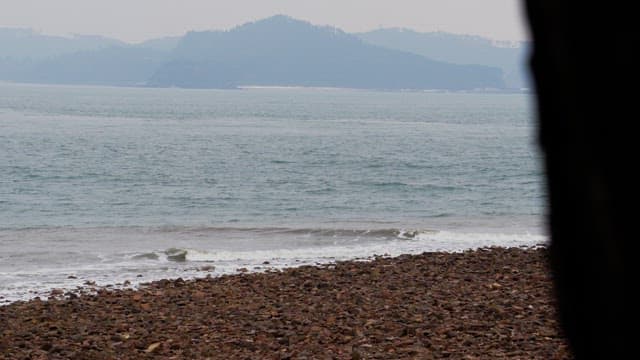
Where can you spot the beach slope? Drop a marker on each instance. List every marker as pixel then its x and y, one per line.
pixel 488 303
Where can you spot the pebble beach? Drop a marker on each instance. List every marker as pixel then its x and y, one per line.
pixel 480 304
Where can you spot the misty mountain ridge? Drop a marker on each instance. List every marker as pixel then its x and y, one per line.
pixel 276 51
pixel 28 56
pixel 287 52
pixel 28 44
pixel 161 44
pixel 462 38
pixel 510 56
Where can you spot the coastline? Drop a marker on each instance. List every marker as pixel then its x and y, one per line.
pixel 140 255
pixel 485 303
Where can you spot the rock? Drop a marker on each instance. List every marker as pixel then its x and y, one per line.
pixel 152 347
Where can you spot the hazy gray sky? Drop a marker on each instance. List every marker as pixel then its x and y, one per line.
pixel 137 20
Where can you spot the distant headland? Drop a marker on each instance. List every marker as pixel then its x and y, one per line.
pixel 276 51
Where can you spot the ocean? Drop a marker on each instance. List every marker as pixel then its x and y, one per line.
pixel 127 185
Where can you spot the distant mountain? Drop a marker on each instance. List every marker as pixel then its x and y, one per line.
pixel 28 44
pixel 116 66
pixel 458 49
pixel 27 56
pixel 283 51
pixel 168 43
pixel 278 51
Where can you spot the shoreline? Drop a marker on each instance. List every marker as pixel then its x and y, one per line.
pixel 484 303
pixel 505 90
pixel 33 273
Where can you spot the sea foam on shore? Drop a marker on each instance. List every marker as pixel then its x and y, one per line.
pixel 108 256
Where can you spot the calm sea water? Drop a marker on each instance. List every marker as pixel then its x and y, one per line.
pixel 115 184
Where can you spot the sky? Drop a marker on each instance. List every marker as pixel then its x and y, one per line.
pixel 139 20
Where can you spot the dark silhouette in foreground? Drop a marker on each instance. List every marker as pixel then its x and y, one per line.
pixel 582 74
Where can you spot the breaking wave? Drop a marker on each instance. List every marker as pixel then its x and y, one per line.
pixel 390 242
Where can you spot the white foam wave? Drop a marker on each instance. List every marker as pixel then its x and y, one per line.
pixel 188 262
pixel 408 242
